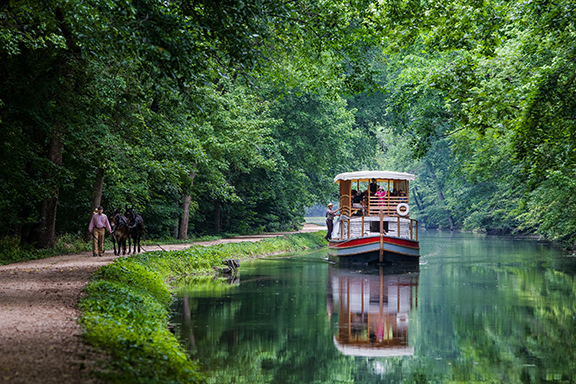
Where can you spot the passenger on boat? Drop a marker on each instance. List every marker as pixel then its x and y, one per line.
pixel 364 207
pixel 330 220
pixel 358 202
pixel 402 196
pixel 381 195
pixel 373 187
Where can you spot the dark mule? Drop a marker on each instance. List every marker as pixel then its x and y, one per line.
pixel 120 231
pixel 137 228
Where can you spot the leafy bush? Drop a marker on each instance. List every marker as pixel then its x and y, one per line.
pixel 72 243
pixel 12 251
pixel 137 278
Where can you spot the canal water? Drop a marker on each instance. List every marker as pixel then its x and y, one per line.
pixel 476 309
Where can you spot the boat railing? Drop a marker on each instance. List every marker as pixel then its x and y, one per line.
pixel 363 226
pixel 387 204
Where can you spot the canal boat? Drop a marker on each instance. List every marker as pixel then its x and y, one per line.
pixel 374 226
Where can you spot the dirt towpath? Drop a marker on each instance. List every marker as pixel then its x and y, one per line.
pixel 39 331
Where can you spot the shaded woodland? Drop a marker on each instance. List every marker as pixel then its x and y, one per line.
pixel 234 116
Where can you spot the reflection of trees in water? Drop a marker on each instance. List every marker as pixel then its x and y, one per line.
pixel 523 329
pixel 485 323
pixel 269 338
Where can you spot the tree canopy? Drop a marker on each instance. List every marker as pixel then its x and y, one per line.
pixel 235 115
pixel 150 104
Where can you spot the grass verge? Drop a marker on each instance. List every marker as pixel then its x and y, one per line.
pixel 126 309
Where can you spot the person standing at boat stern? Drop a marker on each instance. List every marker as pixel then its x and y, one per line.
pixel 330 220
pixel 373 187
pixel 97 228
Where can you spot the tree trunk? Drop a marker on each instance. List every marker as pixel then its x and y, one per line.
pixel 186 201
pixel 47 223
pixel 47 228
pixel 183 224
pixel 417 198
pixel 441 196
pixel 419 204
pixel 96 195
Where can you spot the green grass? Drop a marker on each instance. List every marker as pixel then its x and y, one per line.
pixel 193 239
pixel 126 308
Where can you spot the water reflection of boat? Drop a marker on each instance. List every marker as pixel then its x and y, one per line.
pixel 374 226
pixel 373 307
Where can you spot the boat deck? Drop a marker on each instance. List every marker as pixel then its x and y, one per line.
pixel 366 226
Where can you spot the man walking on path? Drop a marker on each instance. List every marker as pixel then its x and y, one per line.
pixel 330 220
pixel 97 228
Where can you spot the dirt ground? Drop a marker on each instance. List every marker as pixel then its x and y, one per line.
pixel 39 331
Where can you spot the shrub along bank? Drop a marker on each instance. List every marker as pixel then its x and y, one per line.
pixel 126 308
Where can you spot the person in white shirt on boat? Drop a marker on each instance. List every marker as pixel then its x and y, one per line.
pixel 330 220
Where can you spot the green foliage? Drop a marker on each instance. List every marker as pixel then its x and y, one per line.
pixel 130 326
pixel 464 179
pixel 500 77
pixel 137 277
pixel 201 259
pixel 238 104
pixel 164 99
pixel 13 251
pixel 550 205
pixel 310 138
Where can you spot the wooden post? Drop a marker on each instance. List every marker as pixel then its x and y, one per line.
pixel 348 228
pixel 411 237
pixel 388 195
pixel 362 234
pixel 368 198
pixel 398 226
pixel 381 236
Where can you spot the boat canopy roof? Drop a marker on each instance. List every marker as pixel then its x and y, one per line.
pixel 369 175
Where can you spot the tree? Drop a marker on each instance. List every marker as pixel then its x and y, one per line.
pixel 102 72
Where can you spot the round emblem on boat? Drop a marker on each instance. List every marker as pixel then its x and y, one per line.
pixel 403 209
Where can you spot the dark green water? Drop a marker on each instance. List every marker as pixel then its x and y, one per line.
pixel 478 309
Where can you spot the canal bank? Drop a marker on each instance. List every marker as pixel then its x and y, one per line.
pixel 40 338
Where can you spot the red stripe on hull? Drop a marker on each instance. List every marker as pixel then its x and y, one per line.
pixel 374 239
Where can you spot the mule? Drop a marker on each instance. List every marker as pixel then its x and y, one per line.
pixel 120 231
pixel 137 229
